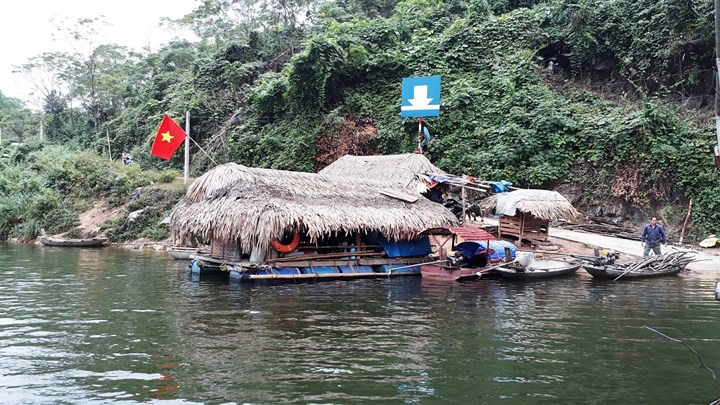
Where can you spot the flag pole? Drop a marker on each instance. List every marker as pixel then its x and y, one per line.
pixel 187 147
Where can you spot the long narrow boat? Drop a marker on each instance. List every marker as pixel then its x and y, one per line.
pixel 539 269
pixel 611 272
pixel 60 242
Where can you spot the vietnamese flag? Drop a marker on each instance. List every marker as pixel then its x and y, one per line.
pixel 168 139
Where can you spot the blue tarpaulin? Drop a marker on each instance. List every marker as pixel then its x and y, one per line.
pixel 471 249
pixel 500 186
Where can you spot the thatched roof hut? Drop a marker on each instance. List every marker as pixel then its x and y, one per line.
pixel 249 206
pixel 527 213
pixel 543 204
pixel 408 169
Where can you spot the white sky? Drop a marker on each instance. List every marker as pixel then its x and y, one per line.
pixel 26 30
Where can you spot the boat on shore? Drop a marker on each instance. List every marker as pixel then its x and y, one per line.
pixel 62 242
pixel 539 269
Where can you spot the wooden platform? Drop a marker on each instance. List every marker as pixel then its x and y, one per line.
pixel 524 227
pixel 227 265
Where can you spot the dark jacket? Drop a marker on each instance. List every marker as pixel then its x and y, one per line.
pixel 653 236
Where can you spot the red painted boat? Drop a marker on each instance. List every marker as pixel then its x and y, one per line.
pixel 445 268
pixel 447 272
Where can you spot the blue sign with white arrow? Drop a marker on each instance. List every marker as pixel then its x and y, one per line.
pixel 420 96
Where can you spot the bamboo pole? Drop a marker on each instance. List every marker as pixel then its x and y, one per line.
pixel 107 133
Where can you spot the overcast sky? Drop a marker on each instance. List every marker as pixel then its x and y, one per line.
pixel 26 29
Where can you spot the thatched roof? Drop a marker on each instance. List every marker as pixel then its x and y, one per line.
pixel 232 202
pixel 543 204
pixel 408 169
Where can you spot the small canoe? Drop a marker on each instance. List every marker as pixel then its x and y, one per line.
pixel 60 242
pixel 539 269
pixel 612 272
pixel 184 253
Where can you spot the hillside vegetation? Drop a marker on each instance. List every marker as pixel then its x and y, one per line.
pixel 620 121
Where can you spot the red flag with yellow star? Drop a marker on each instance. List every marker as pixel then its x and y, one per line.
pixel 168 139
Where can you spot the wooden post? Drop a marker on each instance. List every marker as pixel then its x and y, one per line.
pixel 463 205
pixel 186 174
pixel 687 217
pixel 107 132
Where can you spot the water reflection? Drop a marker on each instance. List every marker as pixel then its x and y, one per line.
pixel 108 325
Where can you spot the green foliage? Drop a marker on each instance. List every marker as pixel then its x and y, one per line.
pixel 156 204
pixel 46 187
pixel 259 97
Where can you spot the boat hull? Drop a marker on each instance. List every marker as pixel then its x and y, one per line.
pixel 440 272
pixel 608 272
pixel 514 274
pixel 94 242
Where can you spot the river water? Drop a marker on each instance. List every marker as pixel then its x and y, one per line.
pixel 113 326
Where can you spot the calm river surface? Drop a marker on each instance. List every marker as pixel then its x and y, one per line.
pixel 102 326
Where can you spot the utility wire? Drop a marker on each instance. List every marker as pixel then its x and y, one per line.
pixel 702 363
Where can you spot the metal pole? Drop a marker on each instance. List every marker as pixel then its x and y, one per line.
pixel 717 80
pixel 419 149
pixel 0 136
pixel 42 130
pixel 187 146
pixel 463 204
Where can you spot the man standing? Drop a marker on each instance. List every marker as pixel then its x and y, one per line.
pixel 653 236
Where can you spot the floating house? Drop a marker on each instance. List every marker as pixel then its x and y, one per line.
pixel 265 224
pixel 526 214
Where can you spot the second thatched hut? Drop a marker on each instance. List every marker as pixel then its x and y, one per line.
pixel 526 214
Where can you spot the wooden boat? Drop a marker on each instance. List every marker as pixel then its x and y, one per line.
pixel 474 258
pixel 60 242
pixel 655 266
pixel 539 269
pixel 184 253
pixel 611 272
pixel 456 273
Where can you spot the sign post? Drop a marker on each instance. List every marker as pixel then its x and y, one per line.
pixel 420 98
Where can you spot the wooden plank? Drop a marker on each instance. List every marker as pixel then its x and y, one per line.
pixel 325 256
pixel 325 276
pixel 399 196
pixel 329 263
pixel 380 262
